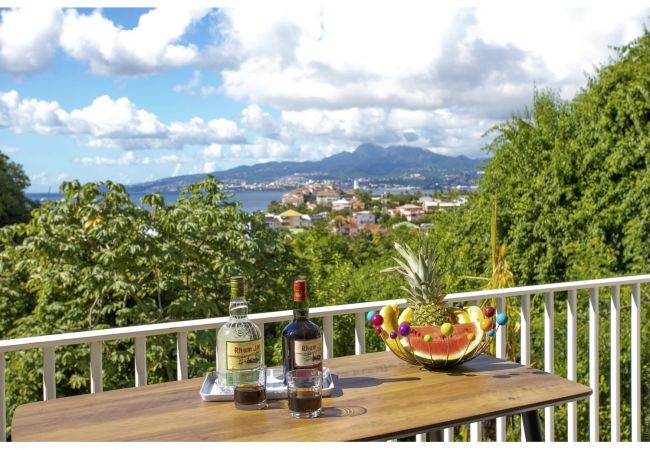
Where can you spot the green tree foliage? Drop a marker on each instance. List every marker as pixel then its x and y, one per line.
pixel 96 260
pixel 572 180
pixel 14 205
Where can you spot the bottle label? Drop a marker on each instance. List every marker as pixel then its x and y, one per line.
pixel 243 354
pixel 307 353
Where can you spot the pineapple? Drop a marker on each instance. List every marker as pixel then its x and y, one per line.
pixel 423 277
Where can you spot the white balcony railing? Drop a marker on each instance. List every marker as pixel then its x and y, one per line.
pixel 95 340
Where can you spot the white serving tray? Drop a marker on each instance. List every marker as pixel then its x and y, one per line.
pixel 275 387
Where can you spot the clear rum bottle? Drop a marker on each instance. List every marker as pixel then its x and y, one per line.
pixel 239 341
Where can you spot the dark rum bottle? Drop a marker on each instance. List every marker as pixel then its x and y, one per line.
pixel 302 340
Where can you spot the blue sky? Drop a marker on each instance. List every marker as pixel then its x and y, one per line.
pixel 138 94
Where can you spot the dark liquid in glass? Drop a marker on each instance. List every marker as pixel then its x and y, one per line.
pixel 306 401
pixel 249 394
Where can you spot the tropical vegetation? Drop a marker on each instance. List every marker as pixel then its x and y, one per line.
pixel 571 179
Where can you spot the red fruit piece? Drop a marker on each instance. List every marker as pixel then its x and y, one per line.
pixel 377 320
pixel 488 311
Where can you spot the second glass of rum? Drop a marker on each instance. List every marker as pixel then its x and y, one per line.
pixel 302 339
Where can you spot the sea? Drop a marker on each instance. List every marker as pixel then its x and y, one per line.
pixel 249 200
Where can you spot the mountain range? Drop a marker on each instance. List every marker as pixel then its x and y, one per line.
pixel 367 161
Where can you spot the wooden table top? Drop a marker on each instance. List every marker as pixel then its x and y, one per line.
pixel 376 396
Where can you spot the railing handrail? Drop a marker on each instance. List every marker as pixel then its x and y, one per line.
pixel 81 337
pixel 84 337
pixel 552 287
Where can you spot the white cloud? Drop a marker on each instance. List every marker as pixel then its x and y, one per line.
pixel 62 177
pixel 422 56
pixel 130 159
pixel 28 38
pixel 209 166
pixel 214 151
pixel 126 159
pixel 108 123
pixel 256 119
pixel 39 179
pixel 191 86
pixel 8 150
pixel 152 46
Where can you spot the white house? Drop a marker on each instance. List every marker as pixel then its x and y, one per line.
pixel 273 221
pixel 340 205
pixel 295 198
pixel 305 221
pixel 410 212
pixel 291 218
pixel 364 218
pixel 326 197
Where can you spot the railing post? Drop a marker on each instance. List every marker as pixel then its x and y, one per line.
pixel 3 400
pixel 615 371
pixel 525 340
pixel 448 435
pixel 181 356
pixel 475 432
pixel 140 361
pixel 594 422
pixel 501 353
pixel 635 383
pixel 96 383
pixel 260 325
pixel 359 333
pixel 328 337
pixel 49 381
pixel 572 367
pixel 549 361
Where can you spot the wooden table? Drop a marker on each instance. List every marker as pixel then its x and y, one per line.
pixel 376 396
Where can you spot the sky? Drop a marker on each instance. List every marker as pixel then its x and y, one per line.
pixel 134 95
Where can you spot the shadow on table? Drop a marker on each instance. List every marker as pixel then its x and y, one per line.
pixel 343 411
pixel 470 369
pixel 362 382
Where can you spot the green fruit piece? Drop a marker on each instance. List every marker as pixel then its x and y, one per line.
pixel 446 329
pixel 427 338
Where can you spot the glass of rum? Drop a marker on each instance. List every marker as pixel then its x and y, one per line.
pixel 250 388
pixel 305 392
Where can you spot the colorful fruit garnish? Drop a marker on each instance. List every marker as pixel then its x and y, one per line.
pixel 488 311
pixel 502 319
pixel 470 337
pixel 404 329
pixel 393 335
pixel 427 338
pixel 490 332
pixel 370 315
pixel 486 324
pixel 446 329
pixel 378 329
pixel 377 320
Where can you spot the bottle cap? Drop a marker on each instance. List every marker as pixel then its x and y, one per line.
pixel 299 291
pixel 236 286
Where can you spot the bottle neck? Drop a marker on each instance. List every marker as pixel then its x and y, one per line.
pixel 300 310
pixel 238 308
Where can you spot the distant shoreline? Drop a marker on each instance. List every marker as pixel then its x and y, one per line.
pixel 250 200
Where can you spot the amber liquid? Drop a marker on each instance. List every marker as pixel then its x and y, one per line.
pixel 249 394
pixel 304 400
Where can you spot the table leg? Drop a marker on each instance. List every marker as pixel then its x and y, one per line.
pixel 532 427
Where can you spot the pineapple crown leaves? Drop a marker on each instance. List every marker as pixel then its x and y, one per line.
pixel 421 271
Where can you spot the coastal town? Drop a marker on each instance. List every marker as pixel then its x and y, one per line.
pixel 349 211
